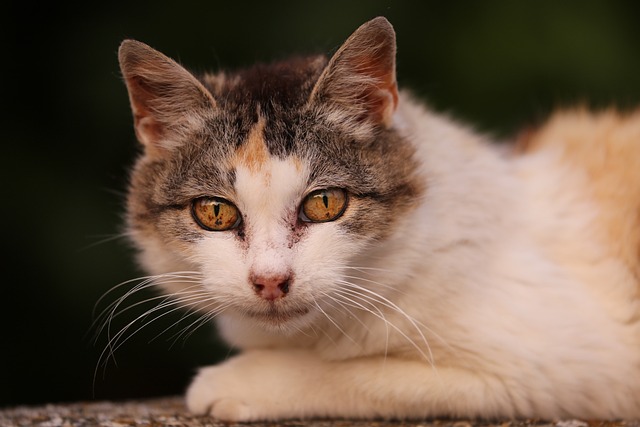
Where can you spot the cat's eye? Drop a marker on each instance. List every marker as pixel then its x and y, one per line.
pixel 215 214
pixel 323 205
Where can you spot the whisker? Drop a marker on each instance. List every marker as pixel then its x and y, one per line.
pixel 370 296
pixel 103 239
pixel 338 327
pixel 382 285
pixel 112 312
pixel 388 324
pixel 119 338
pixel 144 280
pixel 345 307
pixel 189 297
pixel 205 318
pixel 378 313
pixel 166 297
pixel 367 270
pixel 179 303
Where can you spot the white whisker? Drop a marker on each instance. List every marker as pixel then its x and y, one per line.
pixel 192 297
pixel 371 297
pixel 205 318
pixel 104 239
pixel 368 270
pixel 342 331
pixel 345 307
pixel 380 284
pixel 112 312
pixel 145 281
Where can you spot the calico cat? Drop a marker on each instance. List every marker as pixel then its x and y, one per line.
pixel 371 258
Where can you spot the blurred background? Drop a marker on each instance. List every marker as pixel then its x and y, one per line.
pixel 67 143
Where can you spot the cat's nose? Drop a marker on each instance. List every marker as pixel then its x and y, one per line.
pixel 271 287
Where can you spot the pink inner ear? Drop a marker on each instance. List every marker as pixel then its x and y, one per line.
pixel 162 94
pixel 148 130
pixel 361 75
pixel 381 97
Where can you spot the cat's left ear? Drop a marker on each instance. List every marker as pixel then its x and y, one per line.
pixel 164 96
pixel 360 78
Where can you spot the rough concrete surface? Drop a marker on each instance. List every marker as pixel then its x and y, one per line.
pixel 172 412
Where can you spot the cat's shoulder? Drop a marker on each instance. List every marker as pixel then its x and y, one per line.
pixel 604 147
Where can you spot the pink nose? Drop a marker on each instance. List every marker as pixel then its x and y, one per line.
pixel 271 287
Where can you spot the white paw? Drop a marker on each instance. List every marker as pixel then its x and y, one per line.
pixel 213 392
pixel 260 385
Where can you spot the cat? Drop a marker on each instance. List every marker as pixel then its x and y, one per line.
pixel 374 259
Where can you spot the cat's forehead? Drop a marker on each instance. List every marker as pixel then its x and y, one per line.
pixel 262 106
pixel 253 153
pixel 278 86
pixel 264 183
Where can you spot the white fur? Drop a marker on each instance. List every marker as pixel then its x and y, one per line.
pixel 491 299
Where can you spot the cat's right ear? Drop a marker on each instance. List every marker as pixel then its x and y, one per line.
pixel 164 96
pixel 360 78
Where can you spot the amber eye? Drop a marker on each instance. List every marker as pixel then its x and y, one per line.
pixel 324 205
pixel 215 214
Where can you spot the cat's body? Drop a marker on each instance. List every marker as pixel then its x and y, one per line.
pixel 444 275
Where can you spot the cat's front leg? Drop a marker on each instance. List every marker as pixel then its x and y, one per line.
pixel 258 385
pixel 283 384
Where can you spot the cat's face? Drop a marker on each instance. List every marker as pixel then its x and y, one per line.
pixel 267 184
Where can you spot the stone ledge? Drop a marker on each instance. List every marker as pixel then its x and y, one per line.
pixel 171 412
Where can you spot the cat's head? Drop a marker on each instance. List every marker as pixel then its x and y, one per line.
pixel 269 183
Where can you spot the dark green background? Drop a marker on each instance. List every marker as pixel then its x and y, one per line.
pixel 67 140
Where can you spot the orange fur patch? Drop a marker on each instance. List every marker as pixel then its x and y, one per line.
pixel 606 146
pixel 253 153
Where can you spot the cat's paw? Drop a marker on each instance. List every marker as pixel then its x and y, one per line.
pixel 260 385
pixel 211 393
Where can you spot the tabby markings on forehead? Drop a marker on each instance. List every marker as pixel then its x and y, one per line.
pixel 253 153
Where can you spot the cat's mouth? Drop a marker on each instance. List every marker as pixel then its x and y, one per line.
pixel 277 315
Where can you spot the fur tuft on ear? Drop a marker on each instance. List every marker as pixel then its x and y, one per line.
pixel 360 78
pixel 163 95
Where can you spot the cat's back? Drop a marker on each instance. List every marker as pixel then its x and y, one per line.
pixel 603 151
